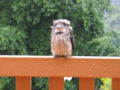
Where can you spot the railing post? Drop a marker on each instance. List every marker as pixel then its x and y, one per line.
pixel 86 84
pixel 116 84
pixel 23 83
pixel 56 83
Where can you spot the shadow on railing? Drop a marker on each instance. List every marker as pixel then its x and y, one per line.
pixel 86 68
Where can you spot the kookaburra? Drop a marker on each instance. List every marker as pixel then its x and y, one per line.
pixel 62 39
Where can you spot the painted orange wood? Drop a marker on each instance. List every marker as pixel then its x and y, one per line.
pixel 87 68
pixel 86 84
pixel 116 84
pixel 56 83
pixel 59 67
pixel 23 83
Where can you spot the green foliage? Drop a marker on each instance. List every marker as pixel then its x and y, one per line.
pixel 98 83
pixel 70 86
pixel 106 84
pixel 108 45
pixel 103 46
pixel 39 38
pixel 12 40
pixel 88 24
pixel 40 84
pixel 6 83
pixel 25 29
pixel 37 15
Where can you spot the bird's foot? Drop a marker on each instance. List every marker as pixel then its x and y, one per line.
pixel 58 56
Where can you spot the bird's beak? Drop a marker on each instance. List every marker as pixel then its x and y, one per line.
pixel 59 27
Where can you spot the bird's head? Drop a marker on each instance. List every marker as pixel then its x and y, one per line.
pixel 60 25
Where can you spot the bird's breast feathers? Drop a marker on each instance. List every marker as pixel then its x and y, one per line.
pixel 61 45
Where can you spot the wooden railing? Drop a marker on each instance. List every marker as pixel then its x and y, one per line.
pixel 86 68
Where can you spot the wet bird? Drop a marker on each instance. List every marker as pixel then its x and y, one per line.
pixel 62 39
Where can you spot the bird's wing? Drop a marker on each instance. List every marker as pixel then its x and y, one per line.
pixel 72 39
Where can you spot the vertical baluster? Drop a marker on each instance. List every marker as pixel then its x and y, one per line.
pixel 86 84
pixel 23 83
pixel 116 84
pixel 56 83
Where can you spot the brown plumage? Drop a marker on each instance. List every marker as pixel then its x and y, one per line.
pixel 62 39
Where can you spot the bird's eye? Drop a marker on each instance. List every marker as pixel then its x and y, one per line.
pixel 64 24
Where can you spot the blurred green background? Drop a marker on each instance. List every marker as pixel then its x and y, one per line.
pixel 25 30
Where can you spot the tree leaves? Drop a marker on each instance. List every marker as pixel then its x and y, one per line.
pixel 12 40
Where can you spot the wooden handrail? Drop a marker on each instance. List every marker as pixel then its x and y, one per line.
pixel 87 68
pixel 47 66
